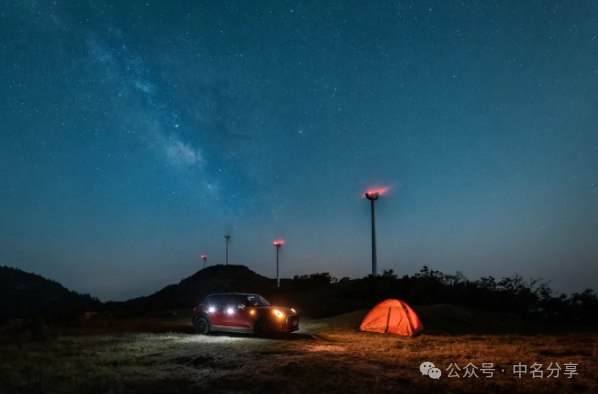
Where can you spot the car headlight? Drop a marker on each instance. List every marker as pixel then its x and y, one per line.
pixel 278 313
pixel 211 309
pixel 230 311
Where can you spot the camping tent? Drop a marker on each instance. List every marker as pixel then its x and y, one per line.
pixel 392 317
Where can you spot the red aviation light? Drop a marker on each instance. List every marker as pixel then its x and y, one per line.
pixel 374 194
pixel 379 191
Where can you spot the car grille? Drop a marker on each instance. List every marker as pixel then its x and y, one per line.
pixel 292 319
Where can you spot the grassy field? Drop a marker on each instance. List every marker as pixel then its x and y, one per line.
pixel 326 356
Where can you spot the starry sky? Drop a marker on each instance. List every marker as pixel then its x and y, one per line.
pixel 135 134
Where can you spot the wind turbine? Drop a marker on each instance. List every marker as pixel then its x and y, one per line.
pixel 227 240
pixel 278 244
pixel 373 196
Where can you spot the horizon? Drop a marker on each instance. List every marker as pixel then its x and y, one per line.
pixel 137 134
pixel 540 281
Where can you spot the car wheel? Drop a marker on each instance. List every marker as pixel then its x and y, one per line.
pixel 263 328
pixel 202 326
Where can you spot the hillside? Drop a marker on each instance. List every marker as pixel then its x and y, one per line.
pixel 192 290
pixel 23 294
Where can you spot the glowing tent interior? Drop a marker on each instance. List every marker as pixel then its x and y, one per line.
pixel 392 317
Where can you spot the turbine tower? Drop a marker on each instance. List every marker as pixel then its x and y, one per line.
pixel 204 257
pixel 278 244
pixel 227 239
pixel 373 196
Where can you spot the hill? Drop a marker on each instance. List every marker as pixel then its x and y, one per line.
pixel 23 294
pixel 192 290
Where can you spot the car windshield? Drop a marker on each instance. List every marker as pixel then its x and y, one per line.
pixel 256 300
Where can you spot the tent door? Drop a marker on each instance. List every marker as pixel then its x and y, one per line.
pixel 387 320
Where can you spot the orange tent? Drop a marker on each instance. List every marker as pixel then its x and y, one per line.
pixel 392 317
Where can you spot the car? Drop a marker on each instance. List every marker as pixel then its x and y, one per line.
pixel 243 313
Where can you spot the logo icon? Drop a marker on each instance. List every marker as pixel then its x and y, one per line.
pixel 428 368
pixel 434 373
pixel 425 367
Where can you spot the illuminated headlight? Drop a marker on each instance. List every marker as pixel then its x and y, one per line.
pixel 230 311
pixel 211 309
pixel 293 309
pixel 278 313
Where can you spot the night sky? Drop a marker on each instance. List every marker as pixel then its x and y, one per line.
pixel 135 134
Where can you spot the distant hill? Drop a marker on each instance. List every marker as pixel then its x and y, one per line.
pixel 192 290
pixel 23 294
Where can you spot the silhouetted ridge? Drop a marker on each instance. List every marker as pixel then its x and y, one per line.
pixel 193 289
pixel 23 294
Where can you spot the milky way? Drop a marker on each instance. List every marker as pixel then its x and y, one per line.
pixel 158 124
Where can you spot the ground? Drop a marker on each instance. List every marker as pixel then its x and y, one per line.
pixel 325 356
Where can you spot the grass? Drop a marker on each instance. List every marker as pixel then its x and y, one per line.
pixel 326 356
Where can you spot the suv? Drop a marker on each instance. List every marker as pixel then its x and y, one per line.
pixel 243 312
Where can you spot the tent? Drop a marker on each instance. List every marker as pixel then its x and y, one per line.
pixel 392 317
